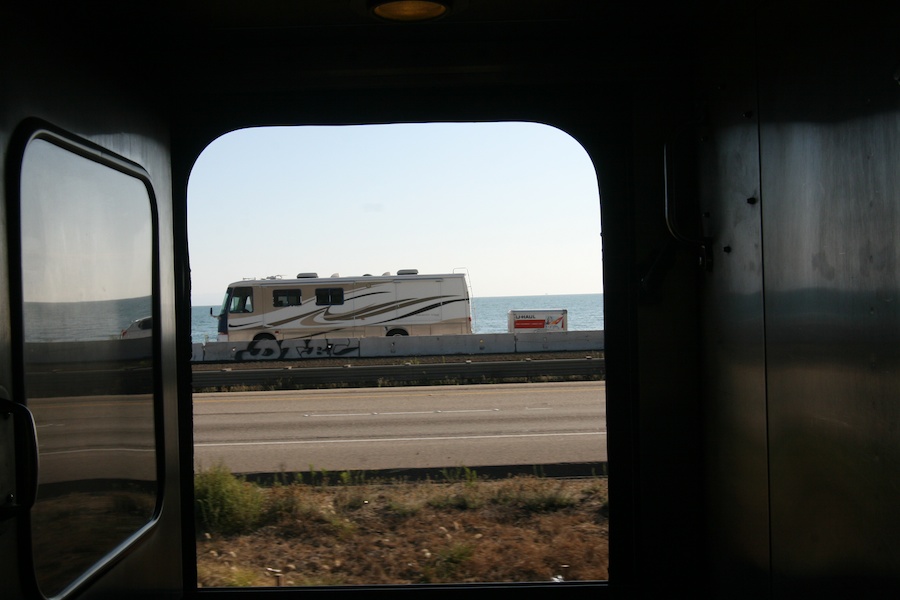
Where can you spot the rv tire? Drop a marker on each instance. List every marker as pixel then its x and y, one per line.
pixel 263 336
pixel 396 332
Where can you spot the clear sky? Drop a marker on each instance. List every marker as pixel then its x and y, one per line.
pixel 514 204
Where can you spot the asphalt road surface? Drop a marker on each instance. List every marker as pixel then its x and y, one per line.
pixel 401 427
pixel 95 437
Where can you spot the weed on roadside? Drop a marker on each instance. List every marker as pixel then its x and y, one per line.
pixel 225 503
pixel 329 531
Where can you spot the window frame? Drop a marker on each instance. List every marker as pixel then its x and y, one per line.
pixel 623 525
pixel 29 130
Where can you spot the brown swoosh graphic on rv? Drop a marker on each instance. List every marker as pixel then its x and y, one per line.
pixel 324 314
pixel 310 319
pixel 374 311
pixel 379 309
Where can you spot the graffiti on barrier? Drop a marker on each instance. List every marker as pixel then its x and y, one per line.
pixel 299 349
pixel 330 349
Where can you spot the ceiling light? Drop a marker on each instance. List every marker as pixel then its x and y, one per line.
pixel 409 11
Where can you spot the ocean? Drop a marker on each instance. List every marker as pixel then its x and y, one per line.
pixel 585 312
pixel 82 321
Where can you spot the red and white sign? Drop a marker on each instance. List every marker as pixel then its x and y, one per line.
pixel 537 321
pixel 529 324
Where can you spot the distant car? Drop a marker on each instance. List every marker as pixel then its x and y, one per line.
pixel 138 329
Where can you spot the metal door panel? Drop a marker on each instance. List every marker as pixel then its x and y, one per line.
pixel 735 460
pixel 830 157
pixel 111 108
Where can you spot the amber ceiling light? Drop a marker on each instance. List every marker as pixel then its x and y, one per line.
pixel 409 11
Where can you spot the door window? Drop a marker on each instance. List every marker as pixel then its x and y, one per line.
pixel 87 276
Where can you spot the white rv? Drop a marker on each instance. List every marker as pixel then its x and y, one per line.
pixel 315 307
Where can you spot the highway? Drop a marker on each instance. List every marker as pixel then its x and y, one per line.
pixel 112 437
pixel 95 437
pixel 401 427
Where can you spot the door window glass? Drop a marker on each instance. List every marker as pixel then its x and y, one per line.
pixel 87 260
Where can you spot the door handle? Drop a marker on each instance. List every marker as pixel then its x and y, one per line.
pixel 703 244
pixel 25 455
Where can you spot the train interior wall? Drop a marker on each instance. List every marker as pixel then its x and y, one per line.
pixel 752 376
pixel 798 172
pixel 69 70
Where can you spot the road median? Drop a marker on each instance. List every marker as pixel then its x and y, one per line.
pixel 412 371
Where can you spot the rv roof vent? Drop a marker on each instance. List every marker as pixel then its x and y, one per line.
pixel 386 274
pixel 408 272
pixel 307 275
pixel 274 277
pixel 335 274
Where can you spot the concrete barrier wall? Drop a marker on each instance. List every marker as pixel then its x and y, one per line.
pixel 494 343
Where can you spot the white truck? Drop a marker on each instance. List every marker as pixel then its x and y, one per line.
pixel 537 320
pixel 310 306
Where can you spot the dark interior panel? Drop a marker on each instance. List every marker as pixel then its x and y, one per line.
pixel 828 150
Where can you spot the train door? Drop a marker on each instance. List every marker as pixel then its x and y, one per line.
pixel 82 487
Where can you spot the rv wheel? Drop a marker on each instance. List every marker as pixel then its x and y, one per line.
pixel 397 332
pixel 263 336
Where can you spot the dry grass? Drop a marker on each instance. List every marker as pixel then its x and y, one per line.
pixel 467 530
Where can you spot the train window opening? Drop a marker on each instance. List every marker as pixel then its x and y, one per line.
pixel 88 359
pixel 417 426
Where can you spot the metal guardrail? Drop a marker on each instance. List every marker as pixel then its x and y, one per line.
pixel 406 374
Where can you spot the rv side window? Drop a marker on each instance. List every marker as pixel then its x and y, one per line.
pixel 328 296
pixel 282 298
pixel 241 300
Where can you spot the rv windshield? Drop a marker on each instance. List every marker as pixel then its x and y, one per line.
pixel 224 308
pixel 240 300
